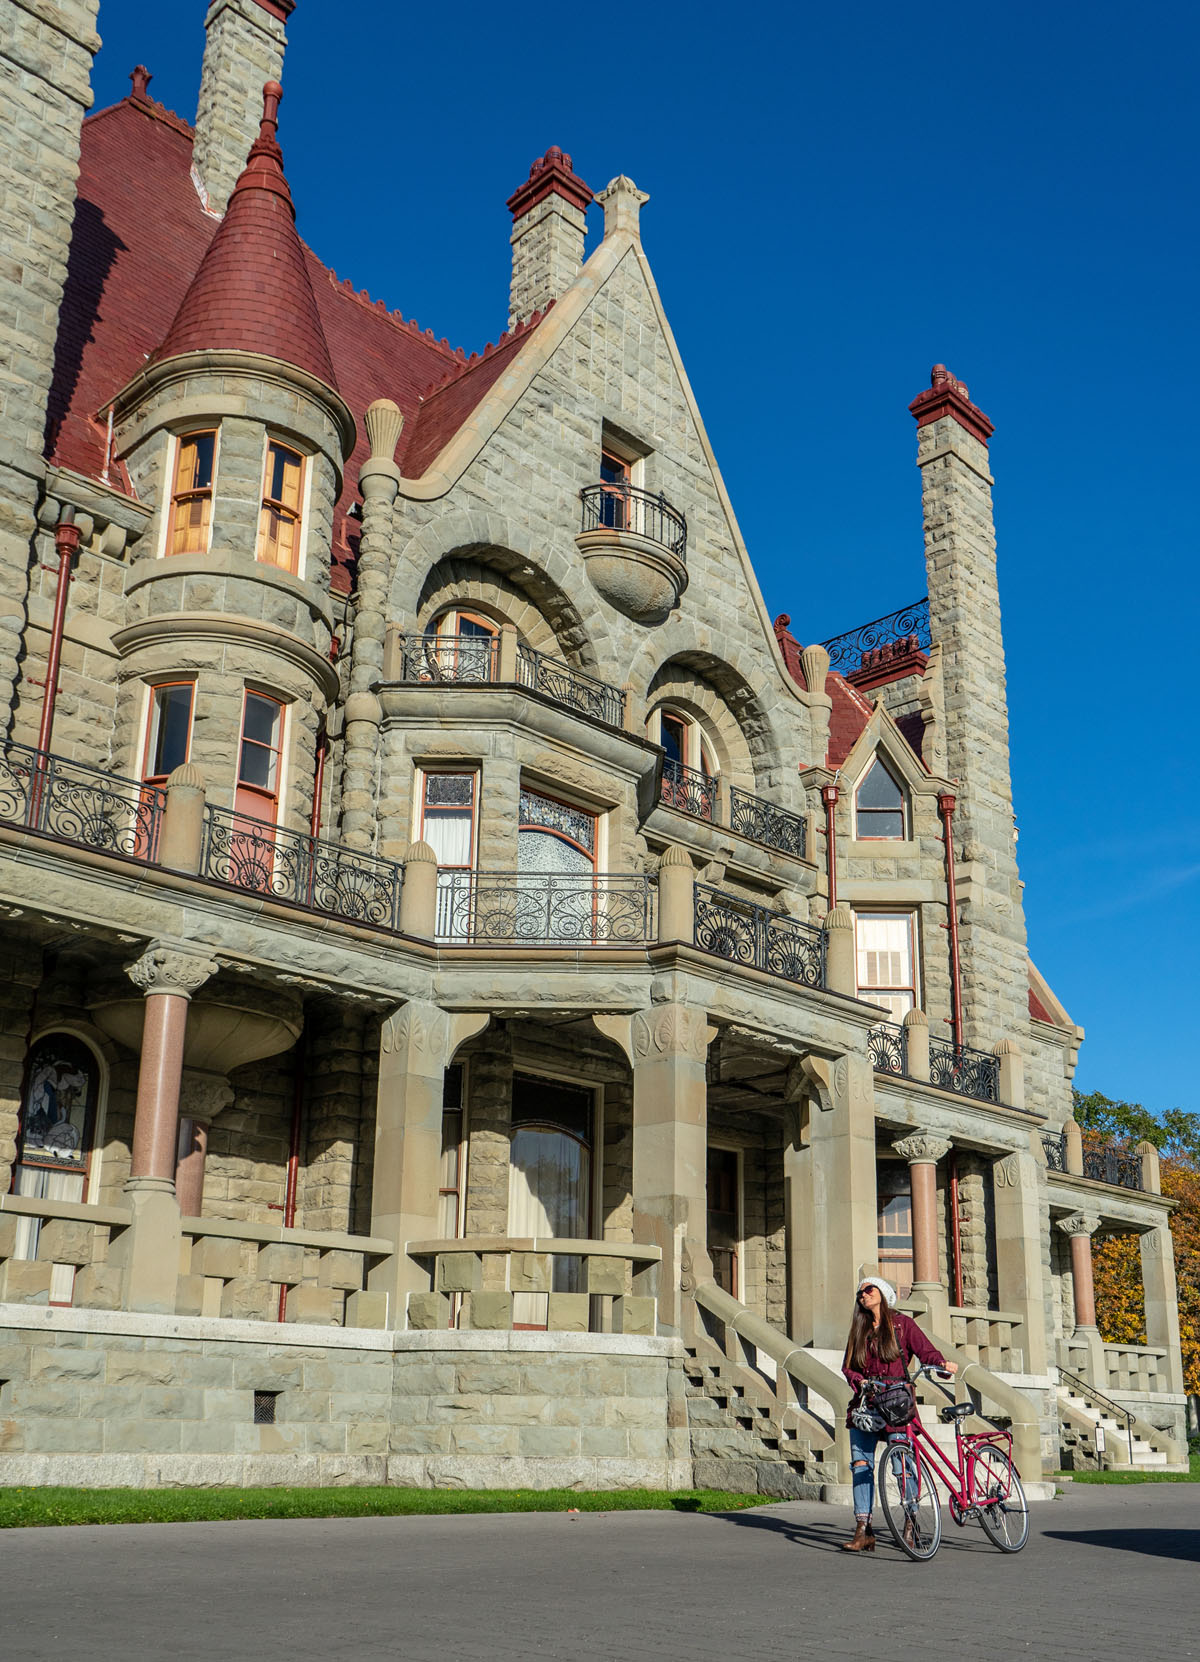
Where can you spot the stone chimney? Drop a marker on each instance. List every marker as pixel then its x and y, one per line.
pixel 244 47
pixel 549 220
pixel 964 617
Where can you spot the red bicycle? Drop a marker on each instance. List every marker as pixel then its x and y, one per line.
pixel 982 1485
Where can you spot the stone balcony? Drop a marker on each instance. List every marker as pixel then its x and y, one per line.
pixel 634 546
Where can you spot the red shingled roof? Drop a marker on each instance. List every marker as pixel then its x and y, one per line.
pixel 1037 1009
pixel 851 711
pixel 252 292
pixel 139 238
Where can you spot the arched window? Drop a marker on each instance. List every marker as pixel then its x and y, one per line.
pixel 554 836
pixel 690 769
pixel 880 805
pixel 461 646
pixel 59 1106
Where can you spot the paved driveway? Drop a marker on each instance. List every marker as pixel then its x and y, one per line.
pixel 1108 1572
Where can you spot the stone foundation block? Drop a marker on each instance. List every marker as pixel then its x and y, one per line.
pixel 215 1255
pixel 311 1304
pixel 8 1234
pixel 459 1272
pixel 98 1287
pixel 189 1296
pixel 427 1311
pixel 366 1309
pixel 343 1270
pixel 635 1315
pixel 252 1301
pixel 488 1310
pixel 568 1312
pixel 606 1275
pixel 530 1272
pixel 61 1241
pixel 25 1281
pixel 282 1264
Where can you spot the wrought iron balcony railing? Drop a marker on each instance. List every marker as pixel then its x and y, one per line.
pixel 965 1071
pixel 1055 1145
pixel 75 803
pixel 750 816
pixel 622 507
pixel 689 790
pixel 1115 1166
pixel 756 938
pixel 567 685
pixel 448 658
pixel 856 649
pixel 291 866
pixel 887 1046
pixel 545 908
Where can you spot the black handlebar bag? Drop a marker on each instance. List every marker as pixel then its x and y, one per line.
pixel 885 1405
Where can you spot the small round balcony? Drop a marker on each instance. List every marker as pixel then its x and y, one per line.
pixel 633 544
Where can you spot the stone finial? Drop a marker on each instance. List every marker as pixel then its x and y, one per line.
pixel 384 421
pixel 673 855
pixel 421 853
pixel 1079 1223
pixel 188 776
pixel 1151 1178
pixel 922 1148
pixel 140 78
pixel 841 917
pixel 622 202
pixel 171 969
pixel 915 1017
pixel 814 661
pixel 840 973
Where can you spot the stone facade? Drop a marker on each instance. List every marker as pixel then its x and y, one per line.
pixel 429 1155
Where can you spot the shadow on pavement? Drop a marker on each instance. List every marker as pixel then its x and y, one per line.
pixel 1155 1543
pixel 829 1537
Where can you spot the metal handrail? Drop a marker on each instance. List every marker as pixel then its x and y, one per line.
pixel 764 822
pixel 887 1046
pixel 577 909
pixel 688 790
pixel 448 660
pixel 1087 1389
pixel 1116 1167
pixel 966 1072
pixel 619 506
pixel 570 686
pixel 728 927
pixel 910 625
pixel 74 802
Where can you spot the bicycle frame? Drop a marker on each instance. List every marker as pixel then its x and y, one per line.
pixel 958 1479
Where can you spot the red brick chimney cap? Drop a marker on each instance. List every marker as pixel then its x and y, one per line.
pixel 551 174
pixel 946 395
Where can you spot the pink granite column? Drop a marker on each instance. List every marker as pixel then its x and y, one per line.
pixel 168 976
pixel 1079 1228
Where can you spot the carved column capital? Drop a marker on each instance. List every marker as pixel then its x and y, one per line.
pixel 424 1034
pixel 671 1029
pixel 922 1148
pixel 1079 1223
pixel 166 968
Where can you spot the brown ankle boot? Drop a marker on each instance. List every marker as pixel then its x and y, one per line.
pixel 863 1539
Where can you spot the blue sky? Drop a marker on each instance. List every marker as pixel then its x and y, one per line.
pixel 841 197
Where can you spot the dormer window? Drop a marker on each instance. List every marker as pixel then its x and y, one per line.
pixel 191 495
pixel 880 805
pixel 279 518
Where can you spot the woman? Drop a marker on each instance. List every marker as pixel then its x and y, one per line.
pixel 881 1346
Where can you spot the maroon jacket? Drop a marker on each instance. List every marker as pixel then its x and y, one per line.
pixel 912 1343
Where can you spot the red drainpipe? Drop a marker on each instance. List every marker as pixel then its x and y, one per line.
pixel 314 824
pixel 293 1165
pixel 829 796
pixel 66 541
pixel 946 806
pixel 955 1231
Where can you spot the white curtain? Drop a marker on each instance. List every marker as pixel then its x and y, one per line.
pixel 47 1185
pixel 548 1181
pixel 449 836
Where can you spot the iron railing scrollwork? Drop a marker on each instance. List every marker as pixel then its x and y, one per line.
pixel 1111 1165
pixel 750 816
pixel 292 866
pixel 545 908
pixel 448 659
pixel 567 685
pixel 618 506
pixel 688 790
pixel 887 636
pixel 75 803
pixel 755 938
pixel 1055 1145
pixel 965 1071
pixel 887 1046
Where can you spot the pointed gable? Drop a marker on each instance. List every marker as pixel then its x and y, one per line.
pixel 252 292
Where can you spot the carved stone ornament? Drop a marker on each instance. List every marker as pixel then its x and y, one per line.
pixel 421 1029
pixel 169 969
pixel 672 1029
pixel 1079 1223
pixel 922 1149
pixel 1006 1174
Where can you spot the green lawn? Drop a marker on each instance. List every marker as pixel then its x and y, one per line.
pixel 23 1508
pixel 1192 1475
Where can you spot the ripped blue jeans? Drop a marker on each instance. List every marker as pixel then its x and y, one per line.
pixel 862 1466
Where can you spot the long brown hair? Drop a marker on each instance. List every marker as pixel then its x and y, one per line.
pixel 866 1346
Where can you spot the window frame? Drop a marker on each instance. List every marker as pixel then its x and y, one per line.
pixel 258 793
pixel 717 1145
pixel 911 916
pixel 176 497
pixel 152 723
pixel 879 759
pixel 700 752
pixel 597 816
pixel 276 505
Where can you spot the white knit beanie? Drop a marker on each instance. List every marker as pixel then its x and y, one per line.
pixel 885 1287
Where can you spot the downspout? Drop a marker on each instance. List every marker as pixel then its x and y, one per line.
pixel 955 1231
pixel 314 824
pixel 946 806
pixel 66 541
pixel 293 1164
pixel 829 796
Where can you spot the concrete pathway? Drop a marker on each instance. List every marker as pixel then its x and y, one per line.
pixel 1109 1572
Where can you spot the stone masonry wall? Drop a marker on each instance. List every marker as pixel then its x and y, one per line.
pixel 245 47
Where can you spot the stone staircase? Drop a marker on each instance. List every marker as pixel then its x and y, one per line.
pixel 1080 1418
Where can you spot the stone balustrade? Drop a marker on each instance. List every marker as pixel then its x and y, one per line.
pixel 564 1286
pixel 55 1251
pixel 1136 1368
pixel 239 1270
pixel 993 1338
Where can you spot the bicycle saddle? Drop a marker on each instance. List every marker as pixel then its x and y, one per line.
pixel 958 1411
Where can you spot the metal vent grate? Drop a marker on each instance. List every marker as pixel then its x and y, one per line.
pixel 264 1407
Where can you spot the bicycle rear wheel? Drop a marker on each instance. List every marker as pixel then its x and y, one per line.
pixel 997 1492
pixel 910 1502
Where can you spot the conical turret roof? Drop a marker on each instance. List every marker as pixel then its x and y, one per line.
pixel 252 291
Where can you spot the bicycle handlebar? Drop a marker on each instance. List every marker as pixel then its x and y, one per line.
pixel 930 1370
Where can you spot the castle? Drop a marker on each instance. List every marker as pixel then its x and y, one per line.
pixel 476 992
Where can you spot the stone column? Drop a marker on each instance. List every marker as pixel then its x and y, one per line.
pixel 841 975
pixel 832 1217
pixel 1079 1229
pixel 181 840
pixel 676 895
pixel 415 1046
pixel 916 1030
pixel 379 481
pixel 148 1251
pixel 1162 1298
pixel 1020 1269
pixel 923 1153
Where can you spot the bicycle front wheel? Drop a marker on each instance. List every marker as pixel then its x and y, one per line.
pixel 910 1502
pixel 997 1492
